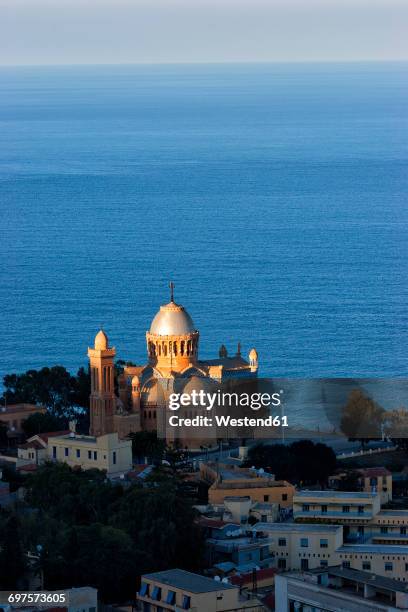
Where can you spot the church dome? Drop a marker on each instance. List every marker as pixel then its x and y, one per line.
pixel 101 341
pixel 172 320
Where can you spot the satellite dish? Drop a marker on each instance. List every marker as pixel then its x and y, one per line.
pixel 261 470
pixel 217 579
pixel 224 580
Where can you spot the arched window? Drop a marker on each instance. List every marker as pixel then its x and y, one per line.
pixel 182 347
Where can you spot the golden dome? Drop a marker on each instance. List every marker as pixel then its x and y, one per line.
pixel 101 341
pixel 172 320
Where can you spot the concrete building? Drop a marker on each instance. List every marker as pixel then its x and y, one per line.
pixel 103 453
pixel 14 415
pixel 180 590
pixel 231 481
pixel 297 546
pixel 377 480
pixel 301 546
pixel 359 512
pixel 336 506
pixel 338 590
pixel 240 510
pixel 34 451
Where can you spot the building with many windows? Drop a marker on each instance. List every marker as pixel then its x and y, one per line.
pixel 339 589
pixel 103 453
pixel 179 590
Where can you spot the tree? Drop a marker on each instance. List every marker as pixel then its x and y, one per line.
pixel 302 461
pixel 3 435
pixel 53 388
pixel 43 422
pixel 362 418
pixel 12 559
pixel 146 444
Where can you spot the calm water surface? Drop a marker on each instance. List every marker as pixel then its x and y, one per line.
pixel 274 196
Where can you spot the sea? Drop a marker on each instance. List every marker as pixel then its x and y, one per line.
pixel 274 196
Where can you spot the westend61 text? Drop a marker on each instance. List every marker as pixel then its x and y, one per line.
pixel 228 421
pixel 208 401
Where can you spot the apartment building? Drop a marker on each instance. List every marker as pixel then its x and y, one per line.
pixel 302 546
pixel 338 589
pixel 178 589
pixel 260 486
pixel 340 507
pixel 103 453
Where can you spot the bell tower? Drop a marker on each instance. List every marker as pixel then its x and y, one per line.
pixel 102 399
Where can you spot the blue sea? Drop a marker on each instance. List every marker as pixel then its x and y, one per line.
pixel 274 196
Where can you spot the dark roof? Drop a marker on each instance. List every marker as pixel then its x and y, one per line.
pixel 368 578
pixel 262 574
pixel 371 472
pixel 187 581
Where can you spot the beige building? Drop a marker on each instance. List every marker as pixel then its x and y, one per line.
pixel 34 451
pixel 88 452
pixel 231 481
pixel 302 546
pixel 178 590
pixel 377 480
pixel 339 590
pixel 336 506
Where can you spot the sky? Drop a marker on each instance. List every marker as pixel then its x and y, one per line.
pixel 167 31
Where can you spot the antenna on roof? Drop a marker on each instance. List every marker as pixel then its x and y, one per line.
pixel 171 287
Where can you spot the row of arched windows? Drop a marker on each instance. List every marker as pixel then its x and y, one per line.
pixel 173 348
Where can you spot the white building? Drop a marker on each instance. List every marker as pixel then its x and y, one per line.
pixel 338 590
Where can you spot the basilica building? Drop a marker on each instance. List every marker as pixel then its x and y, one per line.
pixel 173 365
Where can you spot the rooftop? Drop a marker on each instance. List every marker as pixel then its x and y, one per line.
pixel 187 581
pixel 341 494
pixel 370 472
pixel 14 408
pixel 384 549
pixel 296 527
pixel 374 580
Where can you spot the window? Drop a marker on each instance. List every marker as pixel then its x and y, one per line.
pixel 186 602
pixel 406 567
pixel 89 455
pixel 95 455
pixel 324 543
pixel 388 566
pixel 346 564
pixel 346 509
pixel 324 563
pixel 324 509
pixel 361 509
pixel 54 452
pixel 171 598
pixel 282 542
pixel 114 457
pixel 156 593
pixel 284 497
pixel 305 508
pixel 144 589
pixel 78 453
pixel 282 564
pixel 304 542
pixel 264 518
pixel 266 498
pixel 304 564
pixel 403 530
pixel 384 529
pixel 366 566
pixel 66 451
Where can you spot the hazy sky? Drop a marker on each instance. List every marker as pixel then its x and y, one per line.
pixel 116 31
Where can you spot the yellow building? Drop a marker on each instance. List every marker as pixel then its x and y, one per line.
pixel 377 480
pixel 172 363
pixel 177 589
pixel 89 452
pixel 231 481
